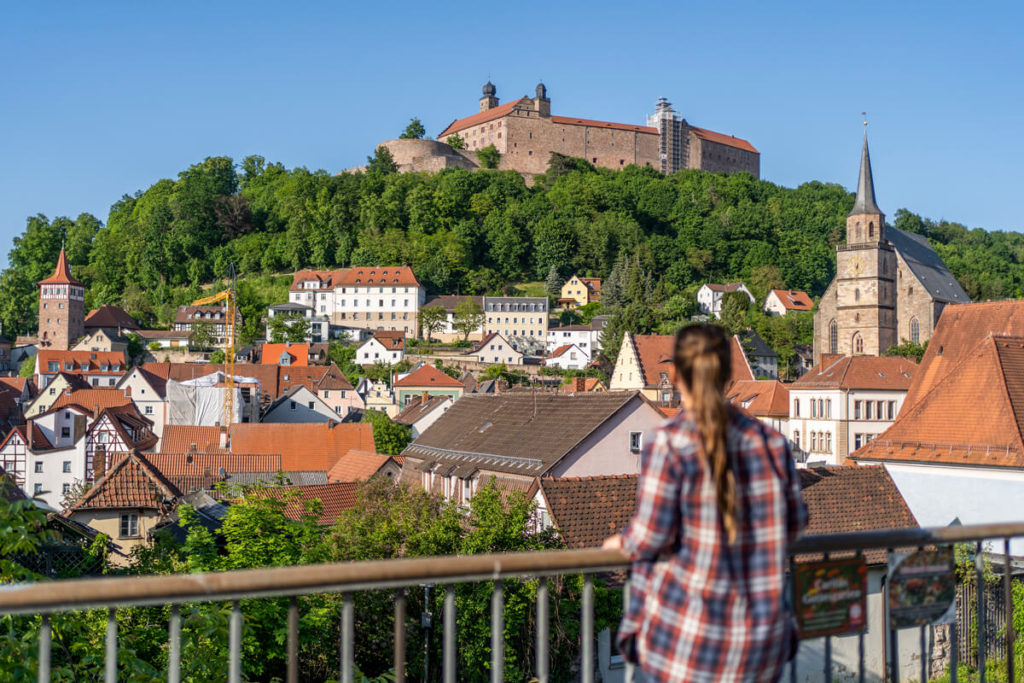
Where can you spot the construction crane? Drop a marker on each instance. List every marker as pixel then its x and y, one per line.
pixel 228 295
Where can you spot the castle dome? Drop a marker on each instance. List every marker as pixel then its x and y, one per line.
pixel 489 89
pixel 542 91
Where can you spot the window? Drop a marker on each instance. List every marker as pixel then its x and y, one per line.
pixel 880 410
pixel 796 438
pixel 828 442
pixel 311 405
pixel 37 489
pixel 292 405
pixel 858 343
pixel 149 410
pixel 856 410
pixel 814 408
pixel 65 432
pixel 828 407
pixel 858 441
pixel 337 409
pixel 814 441
pixel 39 467
pixel 129 525
pixel 635 441
pixel 65 489
pixel 67 467
pixel 915 331
pixel 892 410
pixel 796 407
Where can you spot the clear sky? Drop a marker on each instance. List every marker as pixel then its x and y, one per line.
pixel 104 98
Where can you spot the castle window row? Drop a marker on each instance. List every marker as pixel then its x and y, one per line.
pixel 874 410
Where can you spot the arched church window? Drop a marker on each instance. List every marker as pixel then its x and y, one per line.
pixel 858 343
pixel 915 331
pixel 856 295
pixel 833 337
pixel 871 229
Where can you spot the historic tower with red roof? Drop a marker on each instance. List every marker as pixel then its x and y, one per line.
pixel 61 308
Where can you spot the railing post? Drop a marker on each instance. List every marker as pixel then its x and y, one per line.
pixel 587 630
pixel 498 633
pixel 347 628
pixel 828 649
pixel 45 640
pixel 235 643
pixel 293 640
pixel 110 663
pixel 891 633
pixel 543 661
pixel 1011 635
pixel 860 641
pixel 979 580
pixel 399 636
pixel 174 646
pixel 449 634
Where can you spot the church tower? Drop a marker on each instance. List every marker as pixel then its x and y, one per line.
pixel 61 308
pixel 490 97
pixel 865 321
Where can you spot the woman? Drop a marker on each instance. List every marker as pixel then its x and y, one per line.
pixel 718 502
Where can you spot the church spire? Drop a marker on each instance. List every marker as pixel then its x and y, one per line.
pixel 865 202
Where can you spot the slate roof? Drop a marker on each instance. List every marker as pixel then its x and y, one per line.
pixel 523 433
pixel 131 483
pixel 974 415
pixel 62 273
pixel 357 465
pixel 428 376
pixel 891 373
pixel 758 346
pixel 765 398
pixel 335 498
pixel 110 316
pixel 865 200
pixel 586 510
pixel 927 267
pixel 418 408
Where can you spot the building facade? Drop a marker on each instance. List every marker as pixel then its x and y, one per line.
pixel 61 308
pixel 525 133
pixel 890 285
pixel 710 295
pixel 378 298
pixel 214 316
pixel 523 320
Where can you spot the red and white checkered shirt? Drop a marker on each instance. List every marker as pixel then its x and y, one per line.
pixel 702 609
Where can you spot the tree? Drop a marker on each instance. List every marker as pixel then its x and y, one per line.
pixel 908 349
pixel 135 346
pixel 455 141
pixel 28 367
pixel 553 283
pixel 489 156
pixel 432 319
pixel 468 317
pixel 201 335
pixel 389 437
pixel 414 131
pixel 288 328
pixel 734 312
pixel 217 356
pixel 381 163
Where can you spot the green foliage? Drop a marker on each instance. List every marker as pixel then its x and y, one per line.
pixel 389 437
pixel 291 328
pixel 28 367
pixel 135 346
pixel 554 281
pixel 734 312
pixel 468 317
pixel 455 141
pixel 432 319
pixel 414 131
pixel 201 335
pixel 908 349
pixel 489 156
pixel 217 356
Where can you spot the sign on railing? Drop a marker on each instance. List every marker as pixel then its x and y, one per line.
pixel 831 597
pixel 922 588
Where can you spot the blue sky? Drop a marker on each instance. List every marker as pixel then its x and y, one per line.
pixel 102 99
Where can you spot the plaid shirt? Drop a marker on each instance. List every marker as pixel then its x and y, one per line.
pixel 701 609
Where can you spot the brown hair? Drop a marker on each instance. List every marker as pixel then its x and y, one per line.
pixel 703 362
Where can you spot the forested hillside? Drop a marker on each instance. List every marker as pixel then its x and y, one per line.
pixel 469 232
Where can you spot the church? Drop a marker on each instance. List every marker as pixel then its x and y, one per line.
pixel 890 285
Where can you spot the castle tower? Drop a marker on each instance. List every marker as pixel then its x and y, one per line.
pixel 865 275
pixel 61 308
pixel 490 98
pixel 541 102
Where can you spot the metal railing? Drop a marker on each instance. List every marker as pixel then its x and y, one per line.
pixel 48 598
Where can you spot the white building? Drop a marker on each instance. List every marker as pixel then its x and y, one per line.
pixel 843 403
pixel 523 320
pixel 495 348
pixel 423 412
pixel 782 301
pixel 300 405
pixel 319 325
pixel 583 336
pixel 149 394
pixel 383 347
pixel 709 296
pixel 568 357
pixel 378 298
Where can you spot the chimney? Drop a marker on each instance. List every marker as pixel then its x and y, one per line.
pixel 330 424
pixel 67 391
pixel 28 433
pixel 95 412
pixel 425 397
pixel 580 384
pixel 192 448
pixel 128 392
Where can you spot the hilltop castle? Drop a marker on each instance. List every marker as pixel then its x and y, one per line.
pixel 890 285
pixel 525 132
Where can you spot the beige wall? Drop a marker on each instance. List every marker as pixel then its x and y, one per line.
pixel 627 373
pixel 607 451
pixel 109 522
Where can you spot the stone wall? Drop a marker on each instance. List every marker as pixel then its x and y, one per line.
pixel 718 158
pixel 428 155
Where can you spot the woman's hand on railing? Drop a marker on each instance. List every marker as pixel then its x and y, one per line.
pixel 612 543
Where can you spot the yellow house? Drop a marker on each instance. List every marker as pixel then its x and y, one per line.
pixel 580 291
pixel 126 504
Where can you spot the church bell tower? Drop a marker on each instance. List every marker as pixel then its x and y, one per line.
pixel 865 275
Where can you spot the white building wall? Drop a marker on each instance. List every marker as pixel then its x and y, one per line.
pixel 607 450
pixel 584 339
pixel 573 359
pixel 807 430
pixel 373 351
pixel 868 428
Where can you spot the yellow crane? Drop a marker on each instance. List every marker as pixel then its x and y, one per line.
pixel 228 295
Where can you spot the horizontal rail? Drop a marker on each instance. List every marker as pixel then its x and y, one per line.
pixel 67 595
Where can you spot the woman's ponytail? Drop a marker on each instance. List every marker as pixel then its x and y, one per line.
pixel 703 363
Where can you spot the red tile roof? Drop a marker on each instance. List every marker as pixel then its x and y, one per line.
pixel 335 499
pixel 357 465
pixel 793 300
pixel 587 510
pixel 110 316
pixel 859 372
pixel 131 483
pixel 303 447
pixel 764 398
pixel 483 117
pixel 39 440
pixel 428 376
pixel 92 399
pixel 573 121
pixel 722 139
pixel 270 354
pixel 727 287
pixel 392 341
pixel 17 384
pixel 974 415
pixel 192 471
pixel 62 273
pixel 381 275
pixel 84 361
pixel 561 350
pixel 655 353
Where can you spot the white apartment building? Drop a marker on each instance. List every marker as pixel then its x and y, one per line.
pixel 568 357
pixel 583 336
pixel 523 320
pixel 709 296
pixel 379 298
pixel 843 403
pixel 319 325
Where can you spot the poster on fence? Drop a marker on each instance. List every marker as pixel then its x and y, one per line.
pixel 922 588
pixel 831 597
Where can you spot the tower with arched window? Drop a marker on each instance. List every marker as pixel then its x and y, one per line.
pixel 61 308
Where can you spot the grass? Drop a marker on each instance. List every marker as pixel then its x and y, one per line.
pixel 530 289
